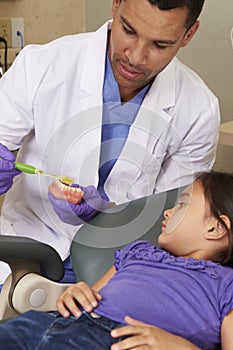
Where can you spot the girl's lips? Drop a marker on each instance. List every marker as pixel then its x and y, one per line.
pixel 163 226
pixel 127 72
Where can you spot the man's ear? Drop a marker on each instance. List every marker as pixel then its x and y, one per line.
pixel 217 229
pixel 190 33
pixel 115 5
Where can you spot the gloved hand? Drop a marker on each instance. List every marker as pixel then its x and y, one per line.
pixel 87 206
pixel 7 170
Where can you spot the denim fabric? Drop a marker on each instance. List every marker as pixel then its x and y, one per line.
pixel 69 276
pixel 40 331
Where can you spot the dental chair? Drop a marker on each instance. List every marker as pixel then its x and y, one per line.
pixel 37 268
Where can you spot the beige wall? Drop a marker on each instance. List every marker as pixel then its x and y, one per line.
pixel 97 12
pixel 210 54
pixel 45 20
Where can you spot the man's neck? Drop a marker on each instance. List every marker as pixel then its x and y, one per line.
pixel 127 95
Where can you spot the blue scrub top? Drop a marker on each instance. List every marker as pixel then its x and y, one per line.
pixel 116 121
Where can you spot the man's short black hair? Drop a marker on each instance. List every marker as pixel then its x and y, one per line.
pixel 194 8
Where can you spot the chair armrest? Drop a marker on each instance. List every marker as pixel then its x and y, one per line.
pixel 26 256
pixel 22 251
pixel 34 292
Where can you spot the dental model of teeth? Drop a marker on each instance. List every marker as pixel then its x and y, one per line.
pixel 66 192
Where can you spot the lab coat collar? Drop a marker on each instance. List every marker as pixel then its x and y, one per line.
pixel 94 67
pixel 162 92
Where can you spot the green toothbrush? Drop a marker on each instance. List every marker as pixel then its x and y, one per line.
pixel 29 169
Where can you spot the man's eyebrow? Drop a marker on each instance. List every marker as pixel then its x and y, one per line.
pixel 166 42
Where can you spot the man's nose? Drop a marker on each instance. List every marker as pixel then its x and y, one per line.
pixel 136 53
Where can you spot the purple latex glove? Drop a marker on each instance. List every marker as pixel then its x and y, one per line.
pixel 77 214
pixel 7 170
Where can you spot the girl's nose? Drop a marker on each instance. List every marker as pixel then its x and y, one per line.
pixel 167 213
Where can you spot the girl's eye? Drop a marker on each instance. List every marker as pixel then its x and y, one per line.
pixel 181 204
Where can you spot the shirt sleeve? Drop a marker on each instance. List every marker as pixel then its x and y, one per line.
pixel 196 150
pixel 15 112
pixel 226 295
pixel 122 255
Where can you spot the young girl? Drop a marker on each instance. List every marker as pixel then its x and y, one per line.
pixel 178 297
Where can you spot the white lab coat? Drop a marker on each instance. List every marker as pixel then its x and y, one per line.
pixel 51 108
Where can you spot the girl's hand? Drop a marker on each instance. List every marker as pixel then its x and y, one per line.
pixel 142 336
pixel 79 294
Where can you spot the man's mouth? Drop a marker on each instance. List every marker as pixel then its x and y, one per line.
pixel 127 72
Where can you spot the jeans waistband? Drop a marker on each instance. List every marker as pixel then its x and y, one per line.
pixel 102 320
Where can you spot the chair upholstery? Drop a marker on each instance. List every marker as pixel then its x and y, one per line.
pixel 92 249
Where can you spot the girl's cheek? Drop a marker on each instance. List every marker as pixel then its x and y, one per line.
pixel 170 227
pixel 174 222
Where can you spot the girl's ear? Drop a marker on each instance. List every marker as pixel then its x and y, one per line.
pixel 218 229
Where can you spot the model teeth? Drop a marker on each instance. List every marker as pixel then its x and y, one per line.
pixel 65 187
pixel 70 188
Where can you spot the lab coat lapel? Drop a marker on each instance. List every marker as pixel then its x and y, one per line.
pixel 152 117
pixel 91 102
pixel 94 66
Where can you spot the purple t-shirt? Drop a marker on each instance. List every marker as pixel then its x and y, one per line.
pixel 183 296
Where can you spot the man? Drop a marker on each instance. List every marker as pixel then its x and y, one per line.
pixel 113 109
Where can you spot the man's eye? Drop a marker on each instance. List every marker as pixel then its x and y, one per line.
pixel 127 31
pixel 160 47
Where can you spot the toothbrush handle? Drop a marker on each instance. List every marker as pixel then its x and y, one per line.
pixel 25 168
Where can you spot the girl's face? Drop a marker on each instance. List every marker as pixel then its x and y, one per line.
pixel 186 224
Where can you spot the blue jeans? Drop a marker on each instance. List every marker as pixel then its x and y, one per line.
pixel 69 276
pixel 36 330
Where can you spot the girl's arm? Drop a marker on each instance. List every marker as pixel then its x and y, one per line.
pixel 81 294
pixel 104 279
pixel 226 332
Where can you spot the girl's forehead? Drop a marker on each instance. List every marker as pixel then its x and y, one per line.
pixel 194 188
pixel 188 190
pixel 197 196
pixel 194 192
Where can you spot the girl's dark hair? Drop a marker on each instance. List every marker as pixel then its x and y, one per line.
pixel 194 8
pixel 218 191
